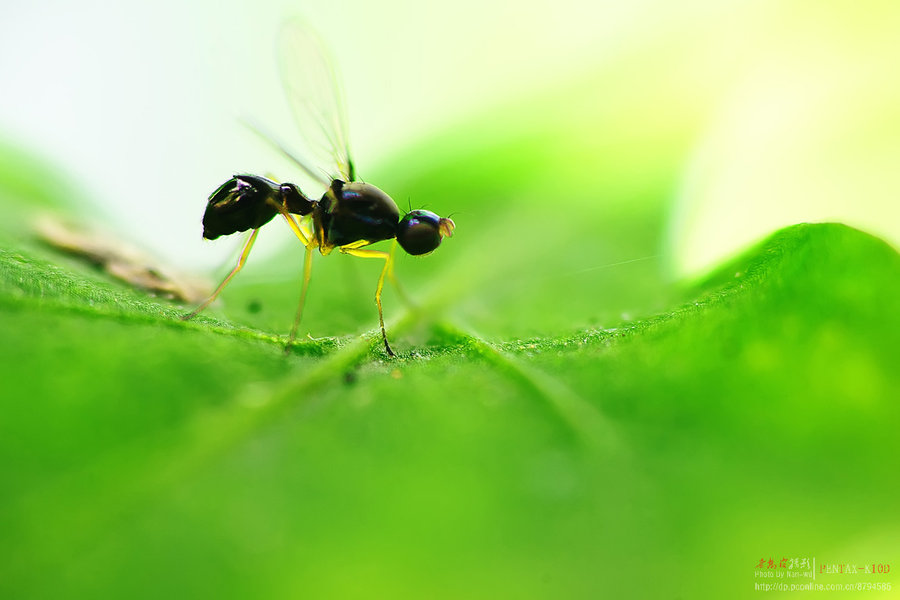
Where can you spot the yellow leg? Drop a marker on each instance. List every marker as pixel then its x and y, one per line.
pixel 307 271
pixel 388 266
pixel 390 274
pixel 310 244
pixel 244 253
pixel 303 236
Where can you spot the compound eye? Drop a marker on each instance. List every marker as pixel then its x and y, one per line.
pixel 421 231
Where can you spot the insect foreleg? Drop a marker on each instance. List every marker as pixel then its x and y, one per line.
pixel 388 265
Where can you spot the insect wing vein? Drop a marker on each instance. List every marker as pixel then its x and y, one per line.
pixel 314 94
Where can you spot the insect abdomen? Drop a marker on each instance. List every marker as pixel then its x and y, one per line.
pixel 241 203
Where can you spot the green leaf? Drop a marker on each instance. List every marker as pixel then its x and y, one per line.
pixel 531 440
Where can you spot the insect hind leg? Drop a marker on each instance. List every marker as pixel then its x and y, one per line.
pixel 243 259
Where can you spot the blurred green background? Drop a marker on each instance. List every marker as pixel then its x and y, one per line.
pixel 626 374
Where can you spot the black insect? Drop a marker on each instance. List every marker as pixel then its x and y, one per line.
pixel 350 215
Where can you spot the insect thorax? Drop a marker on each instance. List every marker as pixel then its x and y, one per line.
pixel 356 211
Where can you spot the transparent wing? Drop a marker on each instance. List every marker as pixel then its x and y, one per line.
pixel 272 140
pixel 314 93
